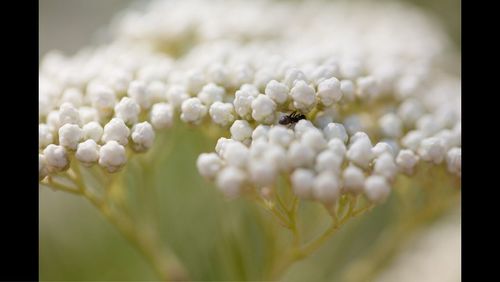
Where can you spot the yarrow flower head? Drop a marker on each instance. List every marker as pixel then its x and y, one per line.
pixel 99 115
pixel 363 109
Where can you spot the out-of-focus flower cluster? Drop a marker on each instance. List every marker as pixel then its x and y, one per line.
pixel 368 78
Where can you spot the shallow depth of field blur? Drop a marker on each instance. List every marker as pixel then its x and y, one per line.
pixel 207 232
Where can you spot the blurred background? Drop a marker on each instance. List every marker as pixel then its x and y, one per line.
pixel 67 25
pixel 77 244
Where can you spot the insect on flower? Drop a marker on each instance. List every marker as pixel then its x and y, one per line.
pixel 292 118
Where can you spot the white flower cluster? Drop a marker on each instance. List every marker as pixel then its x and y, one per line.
pixel 365 76
pixel 321 164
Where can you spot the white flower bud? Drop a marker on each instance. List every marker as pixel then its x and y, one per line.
pixel 68 114
pixel 302 182
pixel 70 135
pixel 262 77
pixel 329 161
pixel 410 111
pixel 87 152
pixel 211 93
pixel 162 115
pixel 250 89
pixel 412 140
pixel 258 148
pixel 157 90
pixel 432 149
pixel 103 99
pixel 209 164
pixel 335 130
pixel 193 110
pixel 292 76
pixel 45 136
pixel 277 155
pixel 73 96
pixel 262 172
pixel 302 127
pixel 263 109
pixel 241 130
pixel 337 146
pixel 112 156
pixel 445 116
pixel 222 113
pixel 277 91
pixel 128 110
pixel 377 189
pixel 303 96
pixel 300 155
pixel 92 130
pixel 326 187
pixel 219 74
pixel 56 158
pixel 176 95
pixel 119 79
pixel 324 72
pixel 427 125
pixel 53 121
pixel 261 131
pixel 116 130
pixel 358 136
pixel 393 146
pixel 236 154
pixel 385 166
pixel 243 102
pixel 454 160
pixel 222 142
pixel 354 179
pixel 153 72
pixel 43 170
pixel 138 91
pixel 407 86
pixel 329 91
pixel 351 68
pixel 391 125
pixel 381 148
pixel 347 88
pixel 143 136
pixel 448 138
pixel 88 114
pixel 242 74
pixel 314 139
pixel 230 181
pixel 194 81
pixel 360 152
pixel 368 87
pixel 406 160
pixel 280 135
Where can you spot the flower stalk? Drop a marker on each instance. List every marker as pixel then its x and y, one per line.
pixel 147 244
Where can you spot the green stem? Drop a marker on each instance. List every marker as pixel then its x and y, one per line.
pixel 149 246
pixel 299 253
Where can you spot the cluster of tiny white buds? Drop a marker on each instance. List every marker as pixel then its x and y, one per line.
pixel 318 163
pixel 222 113
pixel 362 113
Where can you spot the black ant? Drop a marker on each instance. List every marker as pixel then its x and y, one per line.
pixel 291 119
